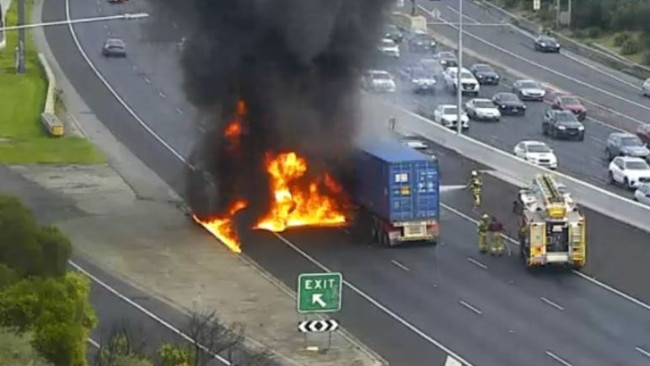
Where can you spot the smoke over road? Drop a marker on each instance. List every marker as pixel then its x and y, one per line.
pixel 294 64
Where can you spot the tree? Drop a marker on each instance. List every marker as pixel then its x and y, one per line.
pixel 56 311
pixel 122 344
pixel 7 276
pixel 173 355
pixel 16 349
pixel 27 249
pixel 211 337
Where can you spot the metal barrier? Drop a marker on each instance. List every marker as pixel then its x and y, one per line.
pixel 507 167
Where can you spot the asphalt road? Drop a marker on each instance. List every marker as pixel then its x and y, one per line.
pixel 116 315
pixel 515 50
pixel 440 287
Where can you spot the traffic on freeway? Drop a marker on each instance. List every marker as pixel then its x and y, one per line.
pixel 583 148
pixel 601 88
pixel 413 306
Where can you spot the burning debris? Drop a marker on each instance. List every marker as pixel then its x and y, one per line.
pixel 278 82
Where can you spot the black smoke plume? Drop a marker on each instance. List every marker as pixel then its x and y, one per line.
pixel 296 65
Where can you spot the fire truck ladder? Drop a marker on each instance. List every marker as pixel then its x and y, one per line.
pixel 554 201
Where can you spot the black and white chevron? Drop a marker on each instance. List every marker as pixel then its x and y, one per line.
pixel 318 326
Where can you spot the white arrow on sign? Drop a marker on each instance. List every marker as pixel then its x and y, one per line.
pixel 435 13
pixel 318 299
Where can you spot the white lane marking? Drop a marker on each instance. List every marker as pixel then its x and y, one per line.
pixel 477 263
pixel 577 273
pixel 642 351
pixel 179 111
pixel 557 358
pixel 400 265
pixel 551 303
pixel 161 94
pixel 450 361
pixel 470 307
pixel 302 253
pixel 545 68
pixel 374 302
pixel 147 80
pixel 148 313
pixel 94 343
pixel 598 141
pixel 101 77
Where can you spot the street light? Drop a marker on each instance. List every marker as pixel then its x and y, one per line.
pixel 459 86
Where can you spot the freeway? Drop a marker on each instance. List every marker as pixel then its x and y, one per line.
pixel 432 292
pixel 584 160
pixel 514 49
pixel 157 133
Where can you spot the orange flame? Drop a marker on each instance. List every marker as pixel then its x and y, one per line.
pixel 234 129
pixel 222 228
pixel 295 204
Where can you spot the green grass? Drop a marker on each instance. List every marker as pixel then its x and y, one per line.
pixel 23 139
pixel 607 41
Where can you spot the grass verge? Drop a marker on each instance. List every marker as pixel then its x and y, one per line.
pixel 23 140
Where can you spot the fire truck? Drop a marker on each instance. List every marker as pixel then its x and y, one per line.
pixel 551 227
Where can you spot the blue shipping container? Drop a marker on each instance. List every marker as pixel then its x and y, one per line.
pixel 396 182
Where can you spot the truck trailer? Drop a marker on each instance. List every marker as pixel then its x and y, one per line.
pixel 396 191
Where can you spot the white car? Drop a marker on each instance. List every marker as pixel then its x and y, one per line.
pixel 642 194
pixel 447 115
pixel 469 84
pixel 378 81
pixel 536 152
pixel 629 171
pixel 483 110
pixel 645 88
pixel 388 47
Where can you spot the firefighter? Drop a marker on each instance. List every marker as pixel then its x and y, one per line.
pixel 475 184
pixel 495 229
pixel 483 233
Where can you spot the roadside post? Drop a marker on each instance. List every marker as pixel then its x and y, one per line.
pixel 319 293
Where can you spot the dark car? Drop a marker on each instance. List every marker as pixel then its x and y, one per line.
pixel 545 43
pixel 571 104
pixel 625 144
pixel 393 33
pixel 643 132
pixel 420 80
pixel 485 74
pixel 562 124
pixel 509 104
pixel 114 47
pixel 420 41
pixel 447 59
pixel 117 1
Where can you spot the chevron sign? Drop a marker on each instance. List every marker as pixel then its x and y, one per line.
pixel 318 326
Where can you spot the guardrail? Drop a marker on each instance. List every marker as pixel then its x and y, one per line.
pixel 49 119
pixel 578 48
pixel 508 167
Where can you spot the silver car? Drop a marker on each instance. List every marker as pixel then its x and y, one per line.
pixel 529 90
pixel 645 88
pixel 114 47
pixel 625 144
pixel 642 194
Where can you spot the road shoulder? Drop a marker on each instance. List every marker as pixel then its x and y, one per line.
pixel 127 222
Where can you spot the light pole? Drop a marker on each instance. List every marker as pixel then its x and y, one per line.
pixel 459 86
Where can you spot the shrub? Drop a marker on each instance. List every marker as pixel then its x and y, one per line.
pixel 630 47
pixel 621 38
pixel 646 58
pixel 593 32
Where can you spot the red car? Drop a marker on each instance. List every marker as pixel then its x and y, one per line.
pixel 643 132
pixel 570 103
